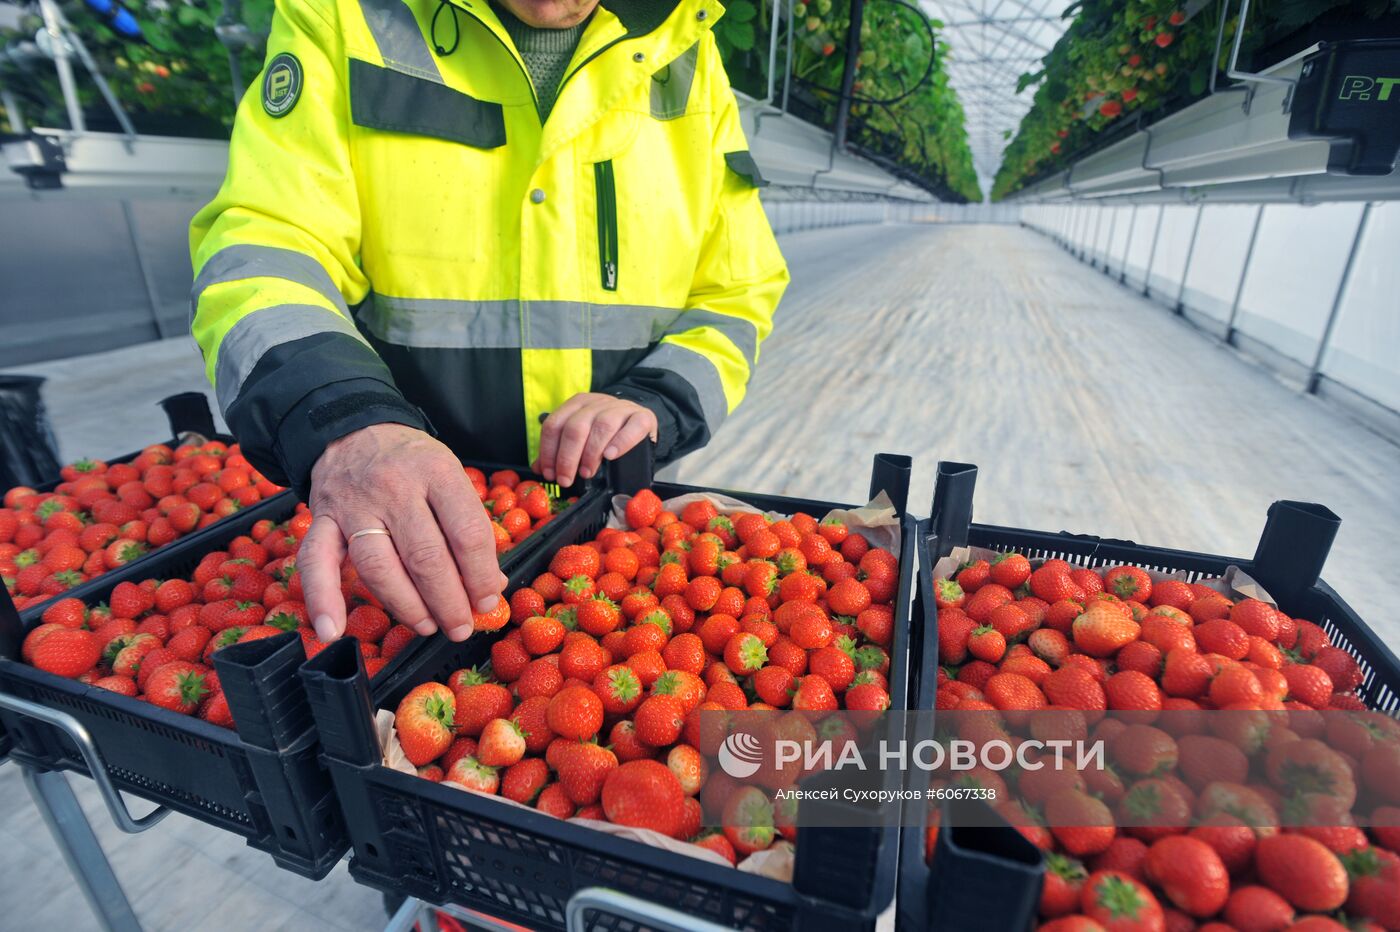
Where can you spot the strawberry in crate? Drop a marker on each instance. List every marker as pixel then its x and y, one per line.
pixel 156 639
pixel 100 517
pixel 1246 781
pixel 595 700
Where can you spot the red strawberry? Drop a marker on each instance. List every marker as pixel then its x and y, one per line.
pixel 659 720
pixel 575 712
pixel 68 652
pixel 1082 824
pixel 70 613
pixel 216 711
pixel 619 688
pixel 478 700
pixel 129 600
pixel 178 686
pixel 188 644
pixel 715 842
pixel 644 794
pixel 1375 886
pixel 576 560
pixel 1190 873
pixel 748 820
pixel 523 781
pixel 367 624
pixel 474 775
pixel 424 721
pixel 1064 884
pixel 1258 909
pixel 584 771
pixel 1302 871
pixel 1010 569
pixel 502 743
pixel 1121 904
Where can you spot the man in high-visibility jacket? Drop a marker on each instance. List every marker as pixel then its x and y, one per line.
pixel 451 218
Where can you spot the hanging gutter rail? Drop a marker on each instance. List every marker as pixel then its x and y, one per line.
pixel 1321 125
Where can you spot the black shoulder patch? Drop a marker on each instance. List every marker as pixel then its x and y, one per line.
pixel 742 164
pixel 281 86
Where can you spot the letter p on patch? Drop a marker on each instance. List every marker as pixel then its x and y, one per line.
pixel 1356 87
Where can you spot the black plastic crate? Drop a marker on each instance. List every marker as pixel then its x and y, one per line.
pixel 1287 561
pixel 441 844
pixel 187 412
pixel 264 781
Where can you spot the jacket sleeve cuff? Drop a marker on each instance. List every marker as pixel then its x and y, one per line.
pixel 680 420
pixel 334 411
pixel 304 394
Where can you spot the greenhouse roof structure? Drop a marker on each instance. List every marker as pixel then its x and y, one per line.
pixel 994 42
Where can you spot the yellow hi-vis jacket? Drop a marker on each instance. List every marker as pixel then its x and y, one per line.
pixel 399 239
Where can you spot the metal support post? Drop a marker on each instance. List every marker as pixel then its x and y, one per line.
pixel 1128 246
pixel 81 852
pixel 53 25
pixel 1108 243
pixel 147 278
pixel 1179 307
pixel 848 76
pixel 1244 273
pixel 1315 375
pixel 1152 253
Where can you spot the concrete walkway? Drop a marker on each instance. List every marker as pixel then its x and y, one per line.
pixel 1086 407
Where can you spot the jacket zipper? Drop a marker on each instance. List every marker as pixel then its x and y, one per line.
pixel 514 57
pixel 606 189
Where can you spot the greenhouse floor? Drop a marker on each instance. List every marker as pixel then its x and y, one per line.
pixel 1086 408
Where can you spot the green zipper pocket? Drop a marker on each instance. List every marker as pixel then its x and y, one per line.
pixel 607 223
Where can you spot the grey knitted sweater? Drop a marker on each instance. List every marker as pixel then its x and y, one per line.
pixel 546 53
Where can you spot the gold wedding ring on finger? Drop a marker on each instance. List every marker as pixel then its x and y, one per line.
pixel 366 532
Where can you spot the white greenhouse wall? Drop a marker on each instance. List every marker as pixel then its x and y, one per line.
pixel 1303 250
pixel 1281 301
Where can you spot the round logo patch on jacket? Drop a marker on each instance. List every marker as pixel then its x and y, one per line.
pixel 281 88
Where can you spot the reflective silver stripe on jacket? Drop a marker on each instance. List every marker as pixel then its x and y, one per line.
pixel 440 323
pixel 401 43
pixel 670 87
pixel 243 260
pixel 256 333
pixel 736 330
pixel 700 372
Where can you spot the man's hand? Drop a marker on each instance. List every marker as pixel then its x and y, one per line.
pixel 587 429
pixel 435 567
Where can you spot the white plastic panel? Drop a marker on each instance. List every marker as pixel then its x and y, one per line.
pixel 1172 246
pixel 1298 259
pixel 1119 221
pixel 1144 229
pixel 1218 259
pixel 1364 354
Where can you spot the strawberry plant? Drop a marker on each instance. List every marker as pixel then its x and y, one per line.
pixel 1117 60
pixel 904 112
pixel 179 78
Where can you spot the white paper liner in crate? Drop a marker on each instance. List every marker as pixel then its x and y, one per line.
pixel 1235 584
pixel 776 863
pixel 877 521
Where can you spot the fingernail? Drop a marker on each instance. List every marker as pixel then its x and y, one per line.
pixel 487 604
pixel 325 628
pixel 426 627
pixel 460 633
pixel 548 474
pixel 566 480
pixel 586 473
pixel 610 453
